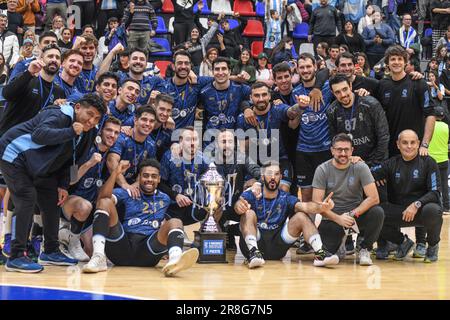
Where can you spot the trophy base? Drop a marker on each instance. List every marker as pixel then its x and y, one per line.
pixel 212 246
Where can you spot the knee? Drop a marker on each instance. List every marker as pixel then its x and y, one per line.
pixel 175 223
pixel 250 215
pixel 377 214
pixel 104 203
pixel 82 208
pixel 432 212
pixel 300 219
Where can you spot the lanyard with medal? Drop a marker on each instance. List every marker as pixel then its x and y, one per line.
pixel 67 90
pixel 87 87
pixel 266 140
pixel 222 115
pixel 189 190
pixel 158 142
pixel 183 112
pixel 265 223
pixel 74 167
pixel 42 93
pixel 99 181
pixel 155 223
pixel 138 159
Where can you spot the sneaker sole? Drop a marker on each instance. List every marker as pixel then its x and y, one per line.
pixel 365 264
pixel 333 260
pixel 8 255
pixel 53 263
pixel 91 270
pixel 418 256
pixel 21 270
pixel 256 263
pixel 187 260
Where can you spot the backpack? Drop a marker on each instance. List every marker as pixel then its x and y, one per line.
pixel 303 12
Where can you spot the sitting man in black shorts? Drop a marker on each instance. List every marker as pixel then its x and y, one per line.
pixel 144 236
pixel 274 222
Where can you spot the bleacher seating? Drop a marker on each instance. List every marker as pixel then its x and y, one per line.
pixel 256 48
pixel 244 7
pixel 254 28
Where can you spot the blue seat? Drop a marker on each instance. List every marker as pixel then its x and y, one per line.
pixel 260 8
pixel 428 32
pixel 205 9
pixel 161 28
pixel 301 31
pixel 164 43
pixel 233 24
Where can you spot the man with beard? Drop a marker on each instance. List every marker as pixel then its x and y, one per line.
pixel 362 118
pixel 178 174
pixel 87 44
pixel 223 100
pixel 150 86
pixel 46 38
pixel 72 63
pixel 186 93
pixel 38 158
pixel 161 134
pixel 269 119
pixel 273 223
pixel 413 198
pixel 83 193
pixel 146 234
pixel 33 90
pixel 313 140
pixel 355 199
pixel 247 174
pixel 135 149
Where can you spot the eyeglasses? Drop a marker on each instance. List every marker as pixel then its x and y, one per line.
pixel 340 150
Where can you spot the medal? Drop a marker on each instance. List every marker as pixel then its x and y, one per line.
pixel 99 183
pixel 350 136
pixel 263 225
pixel 183 113
pixel 177 188
pixel 158 143
pixel 98 139
pixel 155 224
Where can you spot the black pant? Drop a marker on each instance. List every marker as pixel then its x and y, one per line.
pixel 369 224
pixel 181 32
pixel 25 192
pixel 443 171
pixel 429 216
pixel 87 11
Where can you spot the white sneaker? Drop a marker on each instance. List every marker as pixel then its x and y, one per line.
pixel 364 257
pixel 75 248
pixel 186 260
pixel 63 235
pixel 96 264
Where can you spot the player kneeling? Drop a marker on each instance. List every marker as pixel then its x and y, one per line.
pixel 271 224
pixel 144 236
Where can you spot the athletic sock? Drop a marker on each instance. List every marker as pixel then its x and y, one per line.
pixel 251 242
pixel 98 242
pixel 7 222
pixel 100 230
pixel 316 242
pixel 175 241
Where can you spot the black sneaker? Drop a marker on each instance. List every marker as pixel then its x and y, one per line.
pixel 305 248
pixel 255 258
pixel 403 249
pixel 324 258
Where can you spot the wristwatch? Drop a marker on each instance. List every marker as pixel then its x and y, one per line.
pixel 424 144
pixel 418 204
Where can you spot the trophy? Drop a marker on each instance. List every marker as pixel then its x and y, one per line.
pixel 210 195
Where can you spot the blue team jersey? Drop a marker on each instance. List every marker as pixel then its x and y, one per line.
pixel 186 100
pixel 71 92
pixel 162 138
pixel 85 81
pixel 314 135
pixel 87 187
pixel 270 121
pixel 126 116
pixel 129 149
pixel 175 172
pixel 148 84
pixel 143 215
pixel 271 213
pixel 222 107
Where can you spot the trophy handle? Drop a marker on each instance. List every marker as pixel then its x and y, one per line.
pixel 231 186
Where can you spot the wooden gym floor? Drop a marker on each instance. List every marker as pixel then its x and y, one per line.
pixel 292 278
